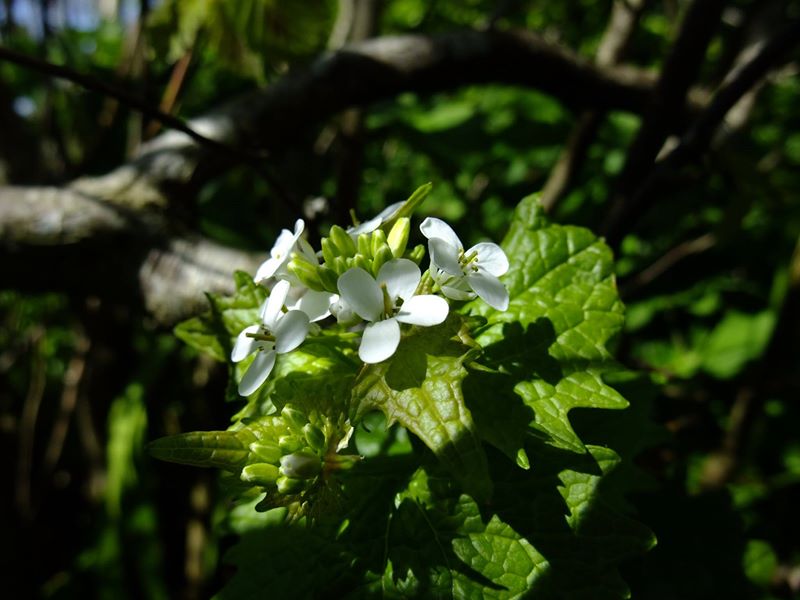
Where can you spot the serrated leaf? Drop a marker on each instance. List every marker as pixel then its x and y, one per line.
pixel 548 348
pixel 212 331
pixel 420 388
pixel 221 449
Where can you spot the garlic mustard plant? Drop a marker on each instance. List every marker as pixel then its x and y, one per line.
pixel 462 274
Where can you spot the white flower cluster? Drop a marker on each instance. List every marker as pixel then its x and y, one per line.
pixel 366 280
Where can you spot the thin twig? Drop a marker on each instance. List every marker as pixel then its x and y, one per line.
pixel 69 399
pixel 27 426
pixel 667 261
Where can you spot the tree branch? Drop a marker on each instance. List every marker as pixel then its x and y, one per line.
pixel 666 105
pixel 698 137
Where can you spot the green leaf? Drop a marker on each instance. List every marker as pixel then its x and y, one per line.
pixel 736 340
pixel 546 354
pixel 420 387
pixel 212 331
pixel 221 449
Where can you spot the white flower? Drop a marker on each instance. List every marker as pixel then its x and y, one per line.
pixel 278 333
pixel 462 274
pixel 378 303
pixel 317 305
pixel 280 253
pixel 374 222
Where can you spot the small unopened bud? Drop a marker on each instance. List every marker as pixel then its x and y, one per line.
pixel 260 474
pixel 364 246
pixel 328 278
pixel 398 236
pixel 339 265
pixel 306 273
pixel 290 443
pixel 329 251
pixel 314 437
pixel 362 262
pixel 377 241
pixel 300 465
pixel 417 254
pixel 343 241
pixel 294 417
pixel 382 256
pixel 266 451
pixel 289 486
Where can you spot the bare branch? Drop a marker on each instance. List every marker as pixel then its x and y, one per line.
pixel 624 17
pixel 666 105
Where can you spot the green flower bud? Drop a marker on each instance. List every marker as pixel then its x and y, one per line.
pixel 294 418
pixel 306 273
pixel 417 254
pixel 300 465
pixel 382 256
pixel 339 265
pixel 398 236
pixel 343 241
pixel 377 241
pixel 266 451
pixel 314 437
pixel 328 278
pixel 260 474
pixel 289 486
pixel 364 246
pixel 363 262
pixel 290 443
pixel 329 251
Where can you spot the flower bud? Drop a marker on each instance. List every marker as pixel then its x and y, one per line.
pixel 306 273
pixel 339 265
pixel 417 254
pixel 293 417
pixel 377 241
pixel 328 278
pixel 329 251
pixel 314 437
pixel 300 465
pixel 343 241
pixel 260 474
pixel 290 443
pixel 364 246
pixel 266 451
pixel 382 256
pixel 398 236
pixel 289 486
pixel 362 262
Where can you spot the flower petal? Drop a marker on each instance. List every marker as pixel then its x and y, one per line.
pixel 491 258
pixel 379 341
pixel 257 372
pixel 315 304
pixel 490 289
pixel 401 277
pixel 375 222
pixel 361 293
pixel 244 345
pixel 275 302
pixel 267 269
pixel 444 256
pixel 424 310
pixel 436 228
pixel 290 331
